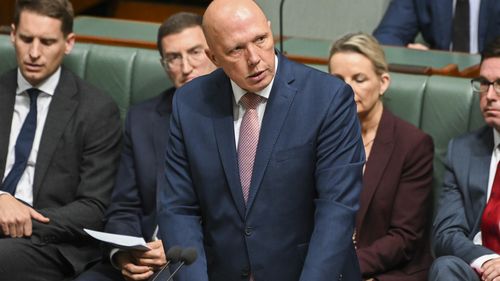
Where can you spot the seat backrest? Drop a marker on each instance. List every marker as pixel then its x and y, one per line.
pixel 443 107
pixel 129 75
pixel 450 109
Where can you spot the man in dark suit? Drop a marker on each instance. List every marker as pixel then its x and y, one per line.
pixel 264 161
pixel 182 46
pixel 59 148
pixel 404 19
pixel 465 225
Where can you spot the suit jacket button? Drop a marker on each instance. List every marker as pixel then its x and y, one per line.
pixel 248 231
pixel 340 277
pixel 245 273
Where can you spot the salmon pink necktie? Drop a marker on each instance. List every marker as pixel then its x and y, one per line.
pixel 249 137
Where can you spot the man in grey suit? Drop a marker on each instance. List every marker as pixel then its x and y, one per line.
pixel 460 231
pixel 59 147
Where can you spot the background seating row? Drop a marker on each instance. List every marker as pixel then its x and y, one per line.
pixel 129 75
pixel 442 106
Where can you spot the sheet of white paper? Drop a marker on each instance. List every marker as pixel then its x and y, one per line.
pixel 125 242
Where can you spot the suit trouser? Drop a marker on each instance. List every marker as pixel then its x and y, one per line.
pixel 21 260
pixel 451 268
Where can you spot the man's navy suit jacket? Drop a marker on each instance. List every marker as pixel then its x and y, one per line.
pixel 463 198
pixel 133 202
pixel 404 19
pixel 299 218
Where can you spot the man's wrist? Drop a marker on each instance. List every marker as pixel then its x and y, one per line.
pixel 477 264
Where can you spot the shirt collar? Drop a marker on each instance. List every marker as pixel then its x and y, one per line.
pixel 239 92
pixel 496 138
pixel 48 86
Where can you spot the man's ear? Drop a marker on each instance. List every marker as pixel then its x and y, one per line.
pixel 70 42
pixel 211 57
pixel 12 33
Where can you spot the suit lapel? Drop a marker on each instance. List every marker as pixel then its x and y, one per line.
pixel 483 22
pixel 7 99
pixel 479 166
pixel 380 155
pixel 277 107
pixel 224 135
pixel 445 20
pixel 160 119
pixel 62 107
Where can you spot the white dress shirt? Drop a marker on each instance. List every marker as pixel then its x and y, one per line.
pixel 24 190
pixel 495 157
pixel 474 6
pixel 239 110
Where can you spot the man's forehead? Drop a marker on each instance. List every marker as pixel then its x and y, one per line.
pixel 35 24
pixel 187 39
pixel 490 67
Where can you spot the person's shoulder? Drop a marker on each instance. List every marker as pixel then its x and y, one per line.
pixel 405 128
pixel 9 76
pixel 316 82
pixel 84 88
pixel 162 101
pixel 478 137
pixel 203 89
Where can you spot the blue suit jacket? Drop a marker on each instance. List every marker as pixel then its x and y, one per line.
pixel 404 19
pixel 463 197
pixel 133 202
pixel 299 219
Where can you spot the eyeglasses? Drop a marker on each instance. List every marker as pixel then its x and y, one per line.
pixel 482 85
pixel 175 60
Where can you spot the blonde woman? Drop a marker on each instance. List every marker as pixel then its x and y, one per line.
pixel 395 204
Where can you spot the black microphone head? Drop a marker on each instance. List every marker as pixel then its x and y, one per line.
pixel 189 255
pixel 174 254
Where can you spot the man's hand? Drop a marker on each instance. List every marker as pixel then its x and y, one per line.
pixel 140 265
pixel 417 46
pixel 15 217
pixel 490 271
pixel 154 258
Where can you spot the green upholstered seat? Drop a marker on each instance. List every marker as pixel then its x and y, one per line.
pixel 129 75
pixel 116 29
pixel 319 48
pixel 405 96
pixel 443 107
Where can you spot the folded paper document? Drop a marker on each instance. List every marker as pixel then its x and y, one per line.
pixel 124 242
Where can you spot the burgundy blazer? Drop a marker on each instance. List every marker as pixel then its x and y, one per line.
pixel 393 221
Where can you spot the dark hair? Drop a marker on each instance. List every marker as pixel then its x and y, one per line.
pixel 176 24
pixel 57 9
pixel 492 50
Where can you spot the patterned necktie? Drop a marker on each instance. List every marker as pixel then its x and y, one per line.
pixel 23 147
pixel 490 231
pixel 461 26
pixel 249 137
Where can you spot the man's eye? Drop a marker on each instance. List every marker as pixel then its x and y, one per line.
pixel 47 42
pixel 26 39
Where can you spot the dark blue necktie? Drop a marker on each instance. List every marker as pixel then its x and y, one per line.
pixel 23 145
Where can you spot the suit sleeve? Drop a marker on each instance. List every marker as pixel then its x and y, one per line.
pixel 340 159
pixel 98 161
pixel 179 216
pixel 124 213
pixel 411 210
pixel 450 231
pixel 399 26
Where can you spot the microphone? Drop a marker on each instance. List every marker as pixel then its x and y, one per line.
pixel 173 255
pixel 188 256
